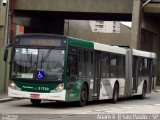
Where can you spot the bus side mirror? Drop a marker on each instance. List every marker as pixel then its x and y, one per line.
pixel 5 57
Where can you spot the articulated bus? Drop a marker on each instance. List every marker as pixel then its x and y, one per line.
pixel 59 68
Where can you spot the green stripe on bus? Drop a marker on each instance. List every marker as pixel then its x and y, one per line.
pixel 80 43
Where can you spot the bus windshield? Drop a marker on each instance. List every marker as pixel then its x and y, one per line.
pixel 29 63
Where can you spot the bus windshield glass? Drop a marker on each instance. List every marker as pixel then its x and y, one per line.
pixel 38 64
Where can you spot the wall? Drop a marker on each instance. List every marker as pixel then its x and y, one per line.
pixel 150 38
pixel 81 29
pixel 96 6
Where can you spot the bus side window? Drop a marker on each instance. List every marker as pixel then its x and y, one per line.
pixel 72 65
pixel 81 63
pixel 121 66
pixel 113 66
pixel 105 65
pixel 89 63
pixel 144 68
pixel 154 68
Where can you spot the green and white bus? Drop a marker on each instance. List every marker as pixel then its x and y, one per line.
pixel 59 68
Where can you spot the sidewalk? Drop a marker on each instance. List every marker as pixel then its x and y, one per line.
pixel 157 89
pixel 4 96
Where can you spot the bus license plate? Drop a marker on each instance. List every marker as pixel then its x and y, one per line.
pixel 35 96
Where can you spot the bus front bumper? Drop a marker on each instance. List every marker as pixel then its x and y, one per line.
pixel 58 96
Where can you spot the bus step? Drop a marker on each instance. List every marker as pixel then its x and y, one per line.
pixel 95 97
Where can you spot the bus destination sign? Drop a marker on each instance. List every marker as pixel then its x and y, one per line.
pixel 41 42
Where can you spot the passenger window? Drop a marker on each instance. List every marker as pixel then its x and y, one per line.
pixel 85 65
pixel 113 66
pixel 81 64
pixel 121 66
pixel 73 61
pixel 105 65
pixel 89 63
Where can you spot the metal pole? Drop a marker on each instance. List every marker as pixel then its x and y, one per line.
pixel 6 40
pixel 6 23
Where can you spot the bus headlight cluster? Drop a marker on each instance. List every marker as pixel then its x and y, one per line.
pixel 12 85
pixel 59 88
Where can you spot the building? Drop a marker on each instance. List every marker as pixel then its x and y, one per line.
pixel 85 31
pixel 105 26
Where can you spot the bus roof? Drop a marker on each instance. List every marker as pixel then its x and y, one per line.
pixel 92 45
pixel 143 53
pixel 39 35
pixel 109 48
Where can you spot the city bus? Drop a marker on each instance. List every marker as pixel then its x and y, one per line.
pixel 62 68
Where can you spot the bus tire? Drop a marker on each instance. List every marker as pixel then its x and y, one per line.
pixel 83 96
pixel 144 90
pixel 115 93
pixel 35 101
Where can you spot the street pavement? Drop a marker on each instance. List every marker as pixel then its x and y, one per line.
pixel 125 109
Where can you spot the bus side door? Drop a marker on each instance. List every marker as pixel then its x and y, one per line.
pixel 97 75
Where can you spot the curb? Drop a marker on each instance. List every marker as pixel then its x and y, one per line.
pixel 8 100
pixel 157 90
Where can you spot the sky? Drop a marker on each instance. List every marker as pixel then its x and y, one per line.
pixel 129 24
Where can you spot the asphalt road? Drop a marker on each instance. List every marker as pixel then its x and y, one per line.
pixel 24 110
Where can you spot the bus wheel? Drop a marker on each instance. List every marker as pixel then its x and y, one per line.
pixel 144 90
pixel 115 93
pixel 83 96
pixel 35 101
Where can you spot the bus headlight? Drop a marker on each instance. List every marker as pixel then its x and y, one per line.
pixel 12 85
pixel 59 88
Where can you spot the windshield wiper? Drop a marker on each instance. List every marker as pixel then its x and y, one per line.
pixel 46 56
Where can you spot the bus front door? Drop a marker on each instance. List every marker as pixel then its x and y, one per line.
pixel 97 75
